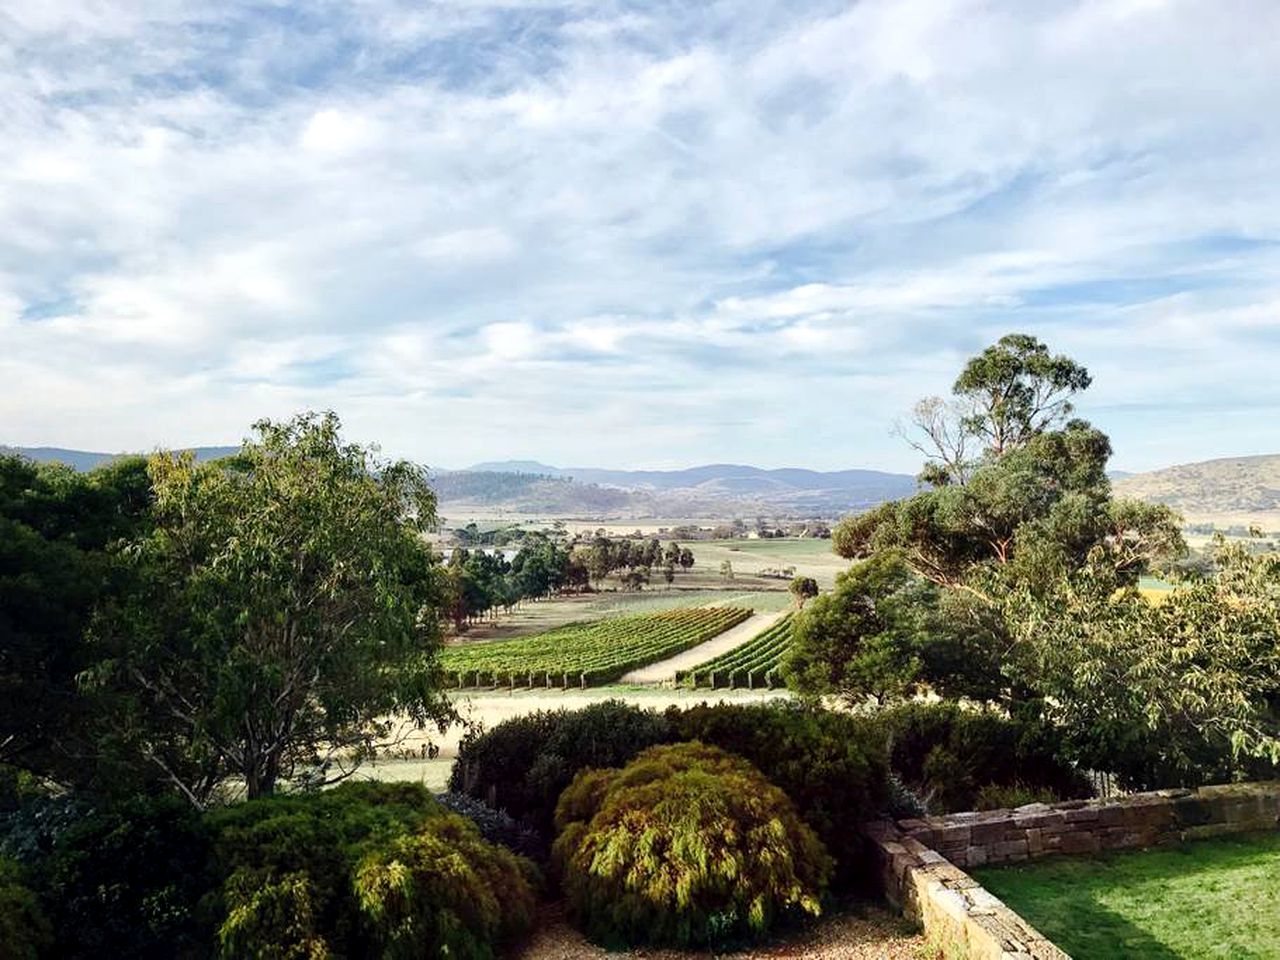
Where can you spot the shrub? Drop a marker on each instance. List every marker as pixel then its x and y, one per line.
pixel 496 826
pixel 995 796
pixel 522 765
pixel 831 766
pixel 359 867
pixel 25 933
pixel 442 891
pixel 688 845
pixel 127 882
pixel 949 753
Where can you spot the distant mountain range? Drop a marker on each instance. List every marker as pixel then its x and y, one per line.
pixel 714 490
pixel 87 460
pixel 1226 492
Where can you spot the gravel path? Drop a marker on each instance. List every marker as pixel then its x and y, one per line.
pixel 863 932
pixel 665 670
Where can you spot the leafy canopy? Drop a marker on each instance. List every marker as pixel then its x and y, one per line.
pixel 283 605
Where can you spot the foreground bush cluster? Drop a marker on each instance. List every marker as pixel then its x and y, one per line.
pixel 374 870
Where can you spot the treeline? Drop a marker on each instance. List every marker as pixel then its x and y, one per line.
pixel 481 583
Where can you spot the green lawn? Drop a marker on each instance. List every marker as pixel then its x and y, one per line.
pixel 1208 899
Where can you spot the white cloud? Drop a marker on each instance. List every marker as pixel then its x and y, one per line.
pixel 444 221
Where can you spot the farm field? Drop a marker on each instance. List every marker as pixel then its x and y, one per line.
pixel 1209 898
pixel 810 557
pixel 753 664
pixel 586 654
pixel 543 615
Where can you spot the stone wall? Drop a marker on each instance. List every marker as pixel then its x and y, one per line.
pixel 922 861
pixel 1091 826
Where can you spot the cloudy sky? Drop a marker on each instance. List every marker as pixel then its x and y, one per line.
pixel 633 234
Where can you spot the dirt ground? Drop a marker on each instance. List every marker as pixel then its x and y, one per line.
pixel 861 932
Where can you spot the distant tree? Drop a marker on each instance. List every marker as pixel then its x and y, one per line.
pixel 669 572
pixel 686 559
pixel 802 589
pixel 286 605
pixel 726 570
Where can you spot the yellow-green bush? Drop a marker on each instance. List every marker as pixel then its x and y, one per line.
pixel 687 845
pixel 368 870
pixel 442 891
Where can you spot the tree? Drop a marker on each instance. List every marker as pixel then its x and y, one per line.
pixel 669 572
pixel 57 528
pixel 802 589
pixel 285 605
pixel 1033 505
pixel 859 640
pixel 686 559
pixel 1025 507
pixel 726 570
pixel 1185 690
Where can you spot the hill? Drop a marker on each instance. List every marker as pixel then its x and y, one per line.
pixel 728 488
pixel 1227 492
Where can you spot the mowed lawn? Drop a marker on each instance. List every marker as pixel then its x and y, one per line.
pixel 1208 899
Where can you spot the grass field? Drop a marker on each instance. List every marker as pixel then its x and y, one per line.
pixel 811 557
pixel 1208 899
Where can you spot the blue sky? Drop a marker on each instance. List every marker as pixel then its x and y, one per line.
pixel 634 234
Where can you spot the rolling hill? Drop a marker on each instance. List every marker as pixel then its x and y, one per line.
pixel 714 489
pixel 1227 492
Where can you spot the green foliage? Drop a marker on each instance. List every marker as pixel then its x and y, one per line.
pixel 127 881
pixel 995 796
pixel 522 765
pixel 688 845
pixel 361 870
pixel 285 604
pixel 1183 691
pixel 755 663
pixel 442 891
pixel 949 753
pixel 56 530
pixel 25 932
pixel 832 765
pixel 587 654
pixel 859 641
pixel 803 588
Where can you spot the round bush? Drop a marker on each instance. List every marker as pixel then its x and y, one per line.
pixel 522 765
pixel 442 891
pixel 688 846
pixel 832 767
pixel 365 869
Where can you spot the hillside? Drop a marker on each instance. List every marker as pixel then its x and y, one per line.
pixel 725 489
pixel 1227 492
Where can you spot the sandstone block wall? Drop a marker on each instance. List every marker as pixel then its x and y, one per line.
pixel 922 861
pixel 1091 826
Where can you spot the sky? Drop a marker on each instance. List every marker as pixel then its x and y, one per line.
pixel 634 234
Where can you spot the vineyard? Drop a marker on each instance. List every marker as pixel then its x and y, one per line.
pixel 754 664
pixel 587 654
